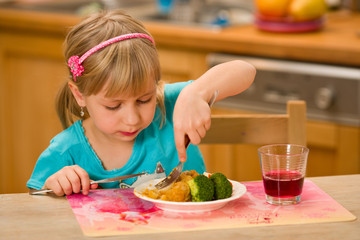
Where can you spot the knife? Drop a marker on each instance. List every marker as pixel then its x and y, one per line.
pixel 107 180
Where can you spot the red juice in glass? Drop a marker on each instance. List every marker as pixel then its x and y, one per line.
pixel 283 184
pixel 283 168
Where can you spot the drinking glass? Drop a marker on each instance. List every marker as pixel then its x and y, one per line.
pixel 283 169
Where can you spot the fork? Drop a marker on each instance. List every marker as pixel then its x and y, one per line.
pixel 175 174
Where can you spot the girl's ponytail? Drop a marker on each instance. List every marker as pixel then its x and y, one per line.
pixel 67 109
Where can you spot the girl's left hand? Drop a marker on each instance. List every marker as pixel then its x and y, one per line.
pixel 192 117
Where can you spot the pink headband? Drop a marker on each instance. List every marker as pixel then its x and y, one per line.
pixel 75 62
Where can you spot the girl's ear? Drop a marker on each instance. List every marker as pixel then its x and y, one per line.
pixel 77 94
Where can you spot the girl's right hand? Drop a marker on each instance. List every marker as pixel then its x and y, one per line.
pixel 68 180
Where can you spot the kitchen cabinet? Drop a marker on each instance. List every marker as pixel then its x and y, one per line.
pixel 32 68
pixel 181 64
pixel 31 71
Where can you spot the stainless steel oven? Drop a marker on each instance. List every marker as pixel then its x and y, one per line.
pixel 332 93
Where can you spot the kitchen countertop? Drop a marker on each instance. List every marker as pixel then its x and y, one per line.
pixel 338 43
pixel 24 216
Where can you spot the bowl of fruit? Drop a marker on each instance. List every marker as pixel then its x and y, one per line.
pixel 290 15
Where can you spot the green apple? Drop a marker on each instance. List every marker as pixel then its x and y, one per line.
pixel 305 10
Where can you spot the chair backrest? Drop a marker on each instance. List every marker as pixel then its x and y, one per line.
pixel 260 129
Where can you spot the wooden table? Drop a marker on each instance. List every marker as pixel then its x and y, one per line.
pixel 44 217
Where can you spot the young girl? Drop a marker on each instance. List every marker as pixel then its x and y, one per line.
pixel 118 117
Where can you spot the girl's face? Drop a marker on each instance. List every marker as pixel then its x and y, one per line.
pixel 123 117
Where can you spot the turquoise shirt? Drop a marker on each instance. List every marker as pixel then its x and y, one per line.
pixel 152 145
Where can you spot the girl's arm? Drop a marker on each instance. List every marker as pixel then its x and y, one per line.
pixel 192 115
pixel 229 78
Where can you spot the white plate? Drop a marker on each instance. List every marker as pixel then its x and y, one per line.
pixel 238 190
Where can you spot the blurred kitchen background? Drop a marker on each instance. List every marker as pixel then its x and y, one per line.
pixel 310 57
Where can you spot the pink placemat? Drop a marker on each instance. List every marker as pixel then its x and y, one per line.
pixel 120 212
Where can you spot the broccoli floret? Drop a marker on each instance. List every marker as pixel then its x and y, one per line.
pixel 201 189
pixel 223 187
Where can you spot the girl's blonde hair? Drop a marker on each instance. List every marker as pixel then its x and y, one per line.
pixel 123 67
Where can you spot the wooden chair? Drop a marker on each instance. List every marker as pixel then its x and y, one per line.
pixel 250 129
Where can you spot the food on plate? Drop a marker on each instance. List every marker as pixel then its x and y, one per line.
pixel 191 186
pixel 201 189
pixel 187 175
pixel 222 186
pixel 178 191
